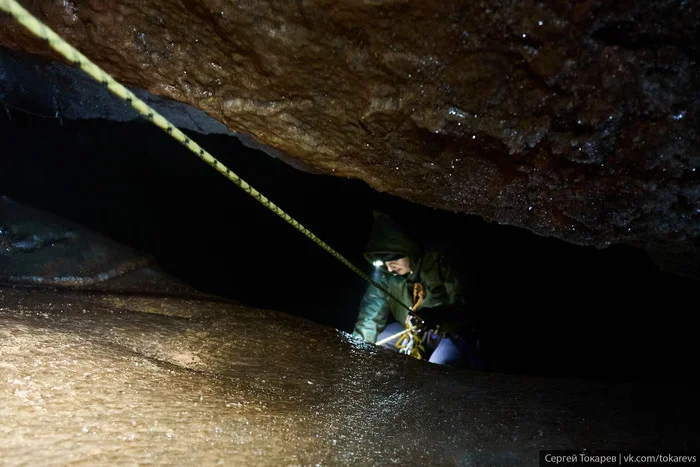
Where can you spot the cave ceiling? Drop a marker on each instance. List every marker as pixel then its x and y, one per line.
pixel 574 120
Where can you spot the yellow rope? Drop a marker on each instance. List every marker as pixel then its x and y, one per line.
pixel 57 43
pixel 410 343
pixel 394 336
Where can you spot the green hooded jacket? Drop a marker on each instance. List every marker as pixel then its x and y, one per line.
pixel 430 268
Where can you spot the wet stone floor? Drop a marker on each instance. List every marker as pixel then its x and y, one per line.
pixel 123 378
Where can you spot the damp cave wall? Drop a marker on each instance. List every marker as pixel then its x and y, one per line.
pixel 543 306
pixel 571 119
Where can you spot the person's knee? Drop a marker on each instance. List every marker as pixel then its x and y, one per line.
pixel 459 352
pixel 446 353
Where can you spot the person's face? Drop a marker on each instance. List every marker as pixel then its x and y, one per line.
pixel 399 266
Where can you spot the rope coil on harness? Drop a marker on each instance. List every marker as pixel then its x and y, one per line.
pixel 411 339
pixel 41 30
pixel 418 295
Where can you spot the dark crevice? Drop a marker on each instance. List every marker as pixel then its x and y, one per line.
pixel 221 241
pixel 628 35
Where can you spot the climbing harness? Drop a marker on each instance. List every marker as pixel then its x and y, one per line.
pixel 57 43
pixel 411 341
pixel 411 344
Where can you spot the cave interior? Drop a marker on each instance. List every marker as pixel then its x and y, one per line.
pixel 543 306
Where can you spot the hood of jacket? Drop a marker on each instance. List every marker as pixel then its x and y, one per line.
pixel 387 238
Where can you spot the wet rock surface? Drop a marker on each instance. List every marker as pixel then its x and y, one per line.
pixel 577 120
pixel 104 377
pixel 37 247
pixel 138 368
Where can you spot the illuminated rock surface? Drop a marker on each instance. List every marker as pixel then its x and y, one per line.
pixel 140 368
pixel 105 378
pixel 576 120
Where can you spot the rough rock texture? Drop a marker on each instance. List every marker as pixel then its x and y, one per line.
pixel 39 248
pixel 49 89
pixel 105 378
pixel 576 120
pixel 136 368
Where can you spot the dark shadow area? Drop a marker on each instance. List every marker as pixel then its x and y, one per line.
pixel 544 306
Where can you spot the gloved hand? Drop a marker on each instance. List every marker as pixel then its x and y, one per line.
pixel 446 317
pixel 423 321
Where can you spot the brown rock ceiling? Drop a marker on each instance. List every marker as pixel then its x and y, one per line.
pixel 576 120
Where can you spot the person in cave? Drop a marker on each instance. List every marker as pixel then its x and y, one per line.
pixel 425 281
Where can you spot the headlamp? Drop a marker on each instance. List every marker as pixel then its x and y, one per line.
pixel 378 263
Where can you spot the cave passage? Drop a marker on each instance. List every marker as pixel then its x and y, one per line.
pixel 544 306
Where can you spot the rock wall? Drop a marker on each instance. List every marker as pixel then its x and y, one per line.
pixel 111 378
pixel 575 120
